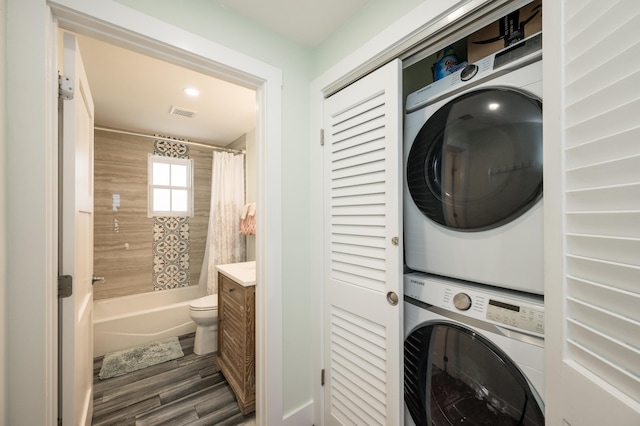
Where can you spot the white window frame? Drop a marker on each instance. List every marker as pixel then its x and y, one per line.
pixel 153 159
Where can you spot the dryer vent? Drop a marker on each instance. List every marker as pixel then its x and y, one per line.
pixel 182 111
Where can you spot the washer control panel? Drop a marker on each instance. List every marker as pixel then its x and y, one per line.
pixel 516 311
pixel 522 317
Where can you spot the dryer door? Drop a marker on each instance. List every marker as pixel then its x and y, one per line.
pixel 455 376
pixel 476 164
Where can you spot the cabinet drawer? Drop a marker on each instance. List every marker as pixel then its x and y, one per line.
pixel 230 289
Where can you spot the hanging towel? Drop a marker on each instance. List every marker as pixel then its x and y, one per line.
pixel 248 219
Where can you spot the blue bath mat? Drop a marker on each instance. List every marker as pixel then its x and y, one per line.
pixel 132 359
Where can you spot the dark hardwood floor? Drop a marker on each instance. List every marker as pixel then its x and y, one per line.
pixel 186 391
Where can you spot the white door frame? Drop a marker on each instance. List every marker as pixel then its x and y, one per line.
pixel 115 23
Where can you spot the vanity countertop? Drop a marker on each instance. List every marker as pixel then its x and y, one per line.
pixel 244 273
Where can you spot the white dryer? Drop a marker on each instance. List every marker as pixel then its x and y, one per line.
pixel 473 172
pixel 473 355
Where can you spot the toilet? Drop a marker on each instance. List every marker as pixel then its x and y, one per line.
pixel 204 312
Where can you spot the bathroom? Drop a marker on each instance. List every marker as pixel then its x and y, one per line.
pixel 139 302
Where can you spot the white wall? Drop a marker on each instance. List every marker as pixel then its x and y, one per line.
pixel 372 19
pixel 251 184
pixel 3 233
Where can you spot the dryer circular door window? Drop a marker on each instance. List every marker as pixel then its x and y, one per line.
pixel 455 376
pixel 476 163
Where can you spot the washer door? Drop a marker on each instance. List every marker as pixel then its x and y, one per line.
pixel 476 164
pixel 455 376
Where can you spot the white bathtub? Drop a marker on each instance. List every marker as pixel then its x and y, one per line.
pixel 124 322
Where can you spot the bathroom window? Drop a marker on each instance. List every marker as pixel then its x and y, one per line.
pixel 170 186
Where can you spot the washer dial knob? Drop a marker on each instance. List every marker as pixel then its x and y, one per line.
pixel 469 72
pixel 462 301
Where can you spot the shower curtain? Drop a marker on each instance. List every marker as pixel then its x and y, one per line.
pixel 224 243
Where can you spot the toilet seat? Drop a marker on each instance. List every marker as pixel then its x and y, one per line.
pixel 206 303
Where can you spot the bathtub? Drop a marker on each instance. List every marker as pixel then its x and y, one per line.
pixel 124 322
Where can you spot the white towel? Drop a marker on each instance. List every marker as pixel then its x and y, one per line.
pixel 245 211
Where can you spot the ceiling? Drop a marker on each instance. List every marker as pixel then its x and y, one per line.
pixel 136 93
pixel 306 22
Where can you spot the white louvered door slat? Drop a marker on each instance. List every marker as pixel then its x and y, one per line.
pixel 601 172
pixel 362 199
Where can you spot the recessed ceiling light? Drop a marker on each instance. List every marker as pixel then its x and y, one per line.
pixel 191 91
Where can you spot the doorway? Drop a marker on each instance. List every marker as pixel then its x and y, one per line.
pixel 218 61
pixel 147 264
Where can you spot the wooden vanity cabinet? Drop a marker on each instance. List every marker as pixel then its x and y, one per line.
pixel 236 340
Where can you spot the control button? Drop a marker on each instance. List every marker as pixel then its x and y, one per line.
pixel 462 301
pixel 469 72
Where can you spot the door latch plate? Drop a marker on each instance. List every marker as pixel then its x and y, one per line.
pixel 65 286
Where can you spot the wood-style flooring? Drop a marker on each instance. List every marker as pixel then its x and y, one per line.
pixel 186 391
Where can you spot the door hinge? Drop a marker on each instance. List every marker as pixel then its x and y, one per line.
pixel 65 286
pixel 321 137
pixel 65 87
pixel 322 377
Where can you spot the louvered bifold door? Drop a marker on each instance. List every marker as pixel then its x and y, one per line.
pixel 602 212
pixel 362 273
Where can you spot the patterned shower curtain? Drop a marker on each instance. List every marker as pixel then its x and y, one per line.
pixel 224 244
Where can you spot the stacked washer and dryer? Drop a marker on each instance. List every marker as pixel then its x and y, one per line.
pixel 474 313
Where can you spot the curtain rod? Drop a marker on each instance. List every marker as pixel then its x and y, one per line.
pixel 203 145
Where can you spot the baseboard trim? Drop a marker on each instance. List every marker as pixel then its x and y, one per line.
pixel 301 416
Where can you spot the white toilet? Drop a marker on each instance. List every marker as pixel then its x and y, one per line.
pixel 204 312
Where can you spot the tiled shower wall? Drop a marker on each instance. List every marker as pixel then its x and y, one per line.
pixel 123 239
pixel 171 234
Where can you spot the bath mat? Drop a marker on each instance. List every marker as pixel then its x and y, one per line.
pixel 132 359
